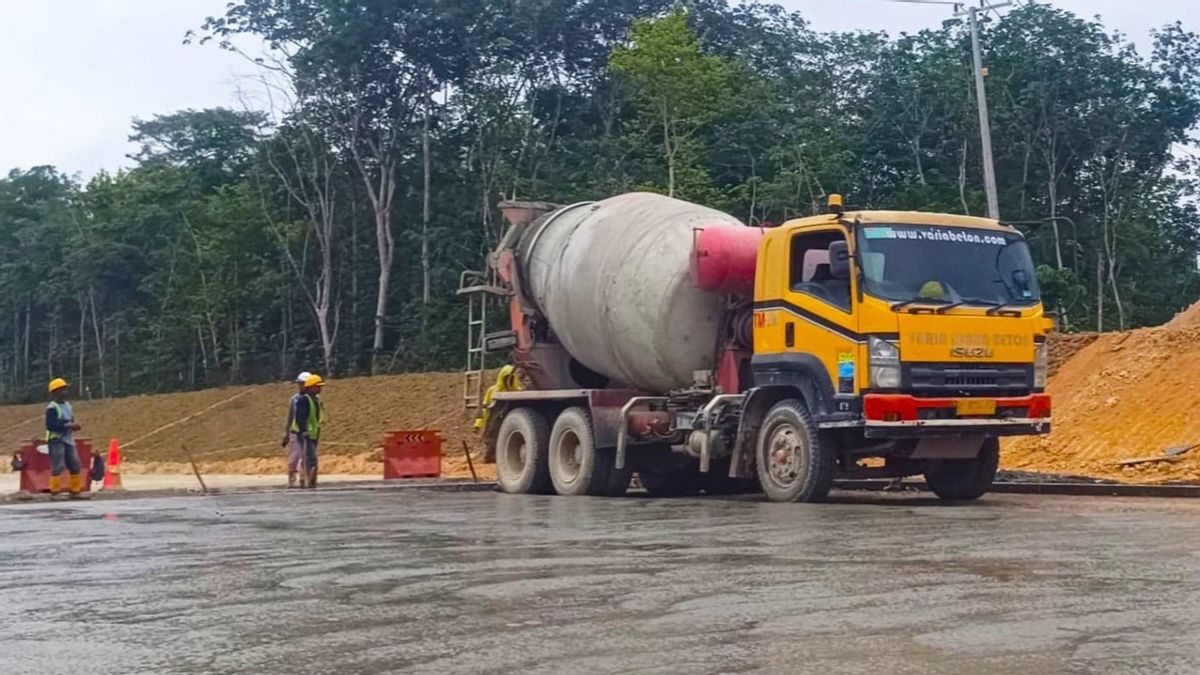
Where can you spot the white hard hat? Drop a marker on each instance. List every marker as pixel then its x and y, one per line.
pixel 302 377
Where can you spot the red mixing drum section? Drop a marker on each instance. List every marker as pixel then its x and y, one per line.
pixel 724 258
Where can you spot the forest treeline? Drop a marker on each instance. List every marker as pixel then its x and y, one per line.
pixel 324 223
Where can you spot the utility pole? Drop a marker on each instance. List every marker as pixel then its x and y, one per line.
pixel 985 126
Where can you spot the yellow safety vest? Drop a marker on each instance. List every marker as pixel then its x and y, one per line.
pixel 59 412
pixel 316 413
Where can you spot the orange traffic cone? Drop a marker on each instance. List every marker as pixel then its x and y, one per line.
pixel 112 470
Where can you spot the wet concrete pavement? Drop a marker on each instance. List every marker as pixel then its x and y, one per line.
pixel 423 582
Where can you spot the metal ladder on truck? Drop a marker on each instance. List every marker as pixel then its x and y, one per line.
pixel 479 288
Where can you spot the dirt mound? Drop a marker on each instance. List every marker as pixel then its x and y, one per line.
pixel 1124 396
pixel 239 429
pixel 1188 318
pixel 1062 347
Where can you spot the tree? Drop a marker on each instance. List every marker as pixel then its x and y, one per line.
pixel 330 232
pixel 217 143
pixel 676 88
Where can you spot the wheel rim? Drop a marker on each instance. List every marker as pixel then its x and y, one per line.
pixel 567 460
pixel 786 449
pixel 512 456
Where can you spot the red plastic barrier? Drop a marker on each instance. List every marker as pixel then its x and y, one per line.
pixel 35 475
pixel 724 258
pixel 412 454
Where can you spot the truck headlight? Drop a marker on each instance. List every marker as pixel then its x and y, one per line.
pixel 883 359
pixel 1040 366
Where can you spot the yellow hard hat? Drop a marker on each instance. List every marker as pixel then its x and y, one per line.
pixel 57 383
pixel 313 381
pixel 932 289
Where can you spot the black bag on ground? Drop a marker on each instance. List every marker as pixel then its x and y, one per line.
pixel 97 474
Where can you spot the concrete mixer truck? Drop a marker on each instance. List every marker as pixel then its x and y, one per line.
pixel 661 337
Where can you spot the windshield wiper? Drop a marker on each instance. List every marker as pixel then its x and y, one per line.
pixel 993 306
pixel 999 308
pixel 945 304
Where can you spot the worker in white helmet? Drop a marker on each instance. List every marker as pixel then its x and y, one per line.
pixel 291 440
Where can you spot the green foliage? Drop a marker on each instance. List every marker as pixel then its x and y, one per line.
pixel 677 91
pixel 243 247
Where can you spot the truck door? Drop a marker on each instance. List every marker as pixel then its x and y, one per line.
pixel 806 319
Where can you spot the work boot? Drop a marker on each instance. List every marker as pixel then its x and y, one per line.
pixel 291 480
pixel 75 485
pixel 55 485
pixel 312 478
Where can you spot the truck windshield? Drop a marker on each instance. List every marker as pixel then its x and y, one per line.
pixel 946 265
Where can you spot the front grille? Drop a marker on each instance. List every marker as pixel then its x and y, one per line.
pixel 968 379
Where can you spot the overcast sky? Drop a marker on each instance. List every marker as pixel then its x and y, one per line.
pixel 74 73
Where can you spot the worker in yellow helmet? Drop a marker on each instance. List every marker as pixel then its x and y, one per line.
pixel 306 427
pixel 506 380
pixel 60 437
pixel 291 439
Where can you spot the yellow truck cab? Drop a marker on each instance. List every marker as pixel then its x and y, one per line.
pixel 902 326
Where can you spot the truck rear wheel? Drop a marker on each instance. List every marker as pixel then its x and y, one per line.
pixel 965 479
pixel 521 453
pixel 795 463
pixel 577 467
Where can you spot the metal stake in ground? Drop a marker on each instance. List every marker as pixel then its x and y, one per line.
pixel 195 469
pixel 470 462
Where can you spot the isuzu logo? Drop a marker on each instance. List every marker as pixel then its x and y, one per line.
pixel 972 352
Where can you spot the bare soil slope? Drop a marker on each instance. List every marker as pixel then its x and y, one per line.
pixel 1123 396
pixel 1116 396
pixel 238 429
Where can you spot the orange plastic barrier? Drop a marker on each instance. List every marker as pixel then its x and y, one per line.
pixel 412 454
pixel 35 475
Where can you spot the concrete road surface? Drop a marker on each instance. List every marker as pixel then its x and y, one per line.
pixel 420 582
pixel 11 482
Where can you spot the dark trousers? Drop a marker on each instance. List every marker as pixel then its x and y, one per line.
pixel 310 454
pixel 63 456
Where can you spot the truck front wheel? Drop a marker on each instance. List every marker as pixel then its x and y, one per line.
pixel 521 453
pixel 965 479
pixel 795 463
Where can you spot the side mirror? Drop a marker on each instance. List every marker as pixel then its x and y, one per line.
pixel 839 260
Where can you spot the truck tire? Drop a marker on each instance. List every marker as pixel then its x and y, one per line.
pixel 576 466
pixel 795 461
pixel 521 453
pixel 965 479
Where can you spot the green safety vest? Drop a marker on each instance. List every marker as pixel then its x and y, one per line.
pixel 315 413
pixel 59 412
